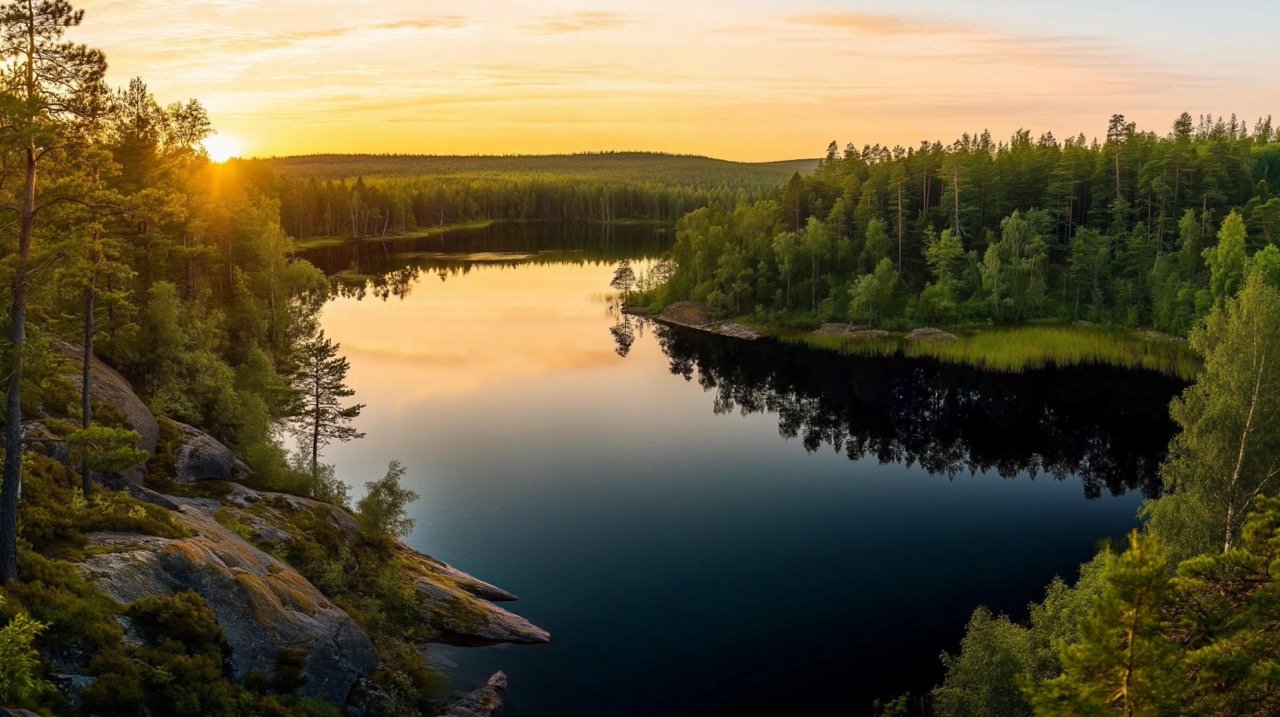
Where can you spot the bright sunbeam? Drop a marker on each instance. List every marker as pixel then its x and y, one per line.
pixel 222 147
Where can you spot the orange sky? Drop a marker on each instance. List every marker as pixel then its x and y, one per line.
pixel 750 80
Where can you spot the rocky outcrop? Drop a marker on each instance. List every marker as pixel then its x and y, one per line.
pixel 200 456
pixel 459 607
pixel 931 335
pixel 737 331
pixel 110 388
pixel 262 604
pixel 694 315
pixel 484 702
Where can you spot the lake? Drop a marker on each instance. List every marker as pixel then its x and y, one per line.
pixel 709 526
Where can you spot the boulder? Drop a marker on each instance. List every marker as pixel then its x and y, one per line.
pixel 484 702
pixel 110 388
pixel 931 335
pixel 262 604
pixel 200 456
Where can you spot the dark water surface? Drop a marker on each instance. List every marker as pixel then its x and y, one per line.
pixel 706 526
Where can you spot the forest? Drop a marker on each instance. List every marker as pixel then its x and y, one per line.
pixel 123 242
pixel 1183 618
pixel 1142 229
pixel 377 196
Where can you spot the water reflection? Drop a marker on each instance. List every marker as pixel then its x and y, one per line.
pixel 1109 426
pixel 392 267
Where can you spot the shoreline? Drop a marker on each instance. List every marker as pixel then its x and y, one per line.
pixel 302 246
pixel 1006 349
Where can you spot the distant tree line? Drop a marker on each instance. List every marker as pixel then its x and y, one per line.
pixel 1138 229
pixel 382 207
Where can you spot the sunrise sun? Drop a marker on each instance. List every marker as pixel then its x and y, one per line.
pixel 223 147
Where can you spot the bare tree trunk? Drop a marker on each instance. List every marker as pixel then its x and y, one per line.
pixel 1232 488
pixel 86 401
pixel 12 487
pixel 899 226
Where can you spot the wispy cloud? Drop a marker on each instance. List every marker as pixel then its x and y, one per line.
pixel 881 24
pixel 579 22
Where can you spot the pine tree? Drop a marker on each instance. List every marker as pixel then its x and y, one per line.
pixel 53 91
pixel 321 383
pixel 1121 662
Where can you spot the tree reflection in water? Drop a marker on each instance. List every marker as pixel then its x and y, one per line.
pixel 1109 426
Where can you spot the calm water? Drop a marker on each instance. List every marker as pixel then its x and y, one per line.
pixel 710 527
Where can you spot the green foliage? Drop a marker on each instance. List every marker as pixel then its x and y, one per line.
pixel 175 670
pixel 105 449
pixel 1227 260
pixel 55 515
pixel 1228 450
pixel 20 681
pixel 983 679
pixel 1140 635
pixel 1121 661
pixel 1033 230
pixel 871 298
pixel 76 614
pixel 382 512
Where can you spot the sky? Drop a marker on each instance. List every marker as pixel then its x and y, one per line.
pixel 749 80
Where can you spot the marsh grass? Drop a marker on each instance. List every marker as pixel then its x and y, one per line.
pixel 1026 347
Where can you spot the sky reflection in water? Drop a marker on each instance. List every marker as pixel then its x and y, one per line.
pixel 695 561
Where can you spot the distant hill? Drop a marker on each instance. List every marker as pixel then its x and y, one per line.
pixel 623 167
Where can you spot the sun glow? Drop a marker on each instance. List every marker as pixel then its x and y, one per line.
pixel 222 147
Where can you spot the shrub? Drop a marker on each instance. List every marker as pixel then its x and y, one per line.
pixel 20 682
pixel 382 512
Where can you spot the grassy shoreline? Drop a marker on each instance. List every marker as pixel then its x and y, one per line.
pixel 1017 348
pixel 1008 349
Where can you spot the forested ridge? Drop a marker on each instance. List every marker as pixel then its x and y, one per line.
pixel 124 242
pixel 359 196
pixel 1139 229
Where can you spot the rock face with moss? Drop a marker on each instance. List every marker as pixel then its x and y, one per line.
pixel 456 608
pixel 109 388
pixel 263 605
pixel 288 579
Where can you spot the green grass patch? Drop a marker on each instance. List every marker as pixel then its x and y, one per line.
pixel 1021 348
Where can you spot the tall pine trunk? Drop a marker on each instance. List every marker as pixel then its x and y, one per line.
pixel 12 487
pixel 86 400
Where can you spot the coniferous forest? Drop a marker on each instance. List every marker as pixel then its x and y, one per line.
pixel 1140 229
pixel 176 538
